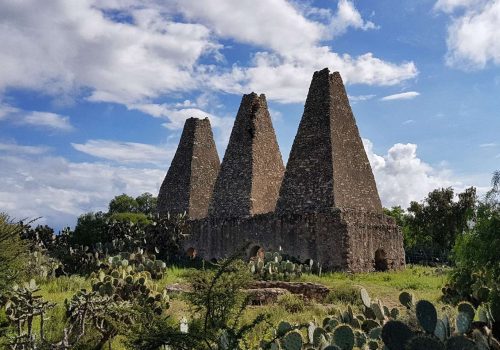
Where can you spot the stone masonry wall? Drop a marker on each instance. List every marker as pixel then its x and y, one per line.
pixel 368 233
pixel 252 167
pixel 340 240
pixel 188 185
pixel 353 181
pixel 324 206
pixel 328 166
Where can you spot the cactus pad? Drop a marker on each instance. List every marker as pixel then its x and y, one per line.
pixel 467 308
pixel 343 337
pixel 367 301
pixel 375 333
pixel 424 342
pixel 396 334
pixel 378 311
pixel 284 327
pixel 368 325
pixel 406 299
pixel 463 322
pixel 459 342
pixel 292 341
pixel 426 315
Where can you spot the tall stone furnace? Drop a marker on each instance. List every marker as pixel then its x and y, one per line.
pixel 190 180
pixel 324 206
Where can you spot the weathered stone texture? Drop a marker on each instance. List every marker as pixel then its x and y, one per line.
pixel 324 207
pixel 369 234
pixel 252 168
pixel 328 166
pixel 189 183
pixel 311 291
pixel 342 239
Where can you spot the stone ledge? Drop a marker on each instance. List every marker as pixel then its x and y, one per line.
pixel 311 291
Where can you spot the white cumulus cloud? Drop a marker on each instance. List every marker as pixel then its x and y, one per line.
pixel 401 96
pixel 403 177
pixel 473 38
pixel 138 51
pixel 348 16
pixel 119 61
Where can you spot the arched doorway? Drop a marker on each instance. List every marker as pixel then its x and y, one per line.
pixel 256 252
pixel 191 253
pixel 381 260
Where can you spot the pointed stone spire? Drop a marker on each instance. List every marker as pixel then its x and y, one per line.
pixel 328 166
pixel 189 183
pixel 252 168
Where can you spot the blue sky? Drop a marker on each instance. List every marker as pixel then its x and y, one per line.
pixel 94 93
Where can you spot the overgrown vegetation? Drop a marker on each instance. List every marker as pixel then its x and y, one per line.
pixel 13 252
pixel 431 227
pixel 103 286
pixel 477 258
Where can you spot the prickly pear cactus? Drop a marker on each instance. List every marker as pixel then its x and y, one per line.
pixel 272 266
pixel 396 334
pixel 343 337
pixel 125 284
pixel 427 315
pixel 292 341
pixel 406 299
pixel 426 342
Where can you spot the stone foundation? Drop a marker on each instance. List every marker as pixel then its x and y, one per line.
pixel 341 239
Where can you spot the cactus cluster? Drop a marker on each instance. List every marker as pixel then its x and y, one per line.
pixel 272 266
pixel 379 328
pixel 22 308
pixel 140 261
pixel 342 330
pixel 114 296
pixel 125 283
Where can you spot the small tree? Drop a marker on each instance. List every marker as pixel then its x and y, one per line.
pixel 438 220
pixel 90 228
pixel 146 203
pixel 123 204
pixel 218 302
pixel 13 252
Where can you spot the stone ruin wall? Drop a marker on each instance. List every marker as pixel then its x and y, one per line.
pixel 324 206
pixel 342 239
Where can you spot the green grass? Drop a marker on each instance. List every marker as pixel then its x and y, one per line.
pixel 423 282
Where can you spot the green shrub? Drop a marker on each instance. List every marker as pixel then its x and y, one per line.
pixel 135 218
pixel 65 284
pixel 344 293
pixel 90 229
pixel 292 303
pixel 14 252
pixel 477 260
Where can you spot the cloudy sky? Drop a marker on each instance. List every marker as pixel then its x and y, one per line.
pixel 94 93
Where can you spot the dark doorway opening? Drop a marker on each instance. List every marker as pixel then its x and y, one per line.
pixel 381 260
pixel 256 252
pixel 191 253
